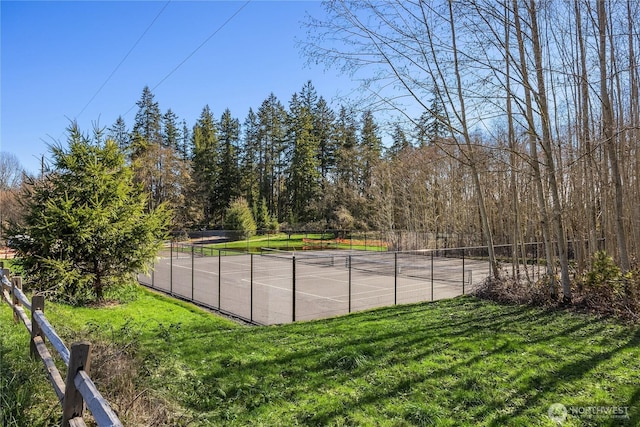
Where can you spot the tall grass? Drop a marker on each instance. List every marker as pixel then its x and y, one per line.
pixel 26 398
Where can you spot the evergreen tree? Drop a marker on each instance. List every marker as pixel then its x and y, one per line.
pixel 228 184
pixel 250 159
pixel 421 131
pixel 272 120
pixel 370 149
pixel 432 126
pixel 119 134
pixel 183 148
pixel 303 180
pixel 146 138
pixel 239 219
pixel 436 126
pixel 147 128
pixel 263 220
pixel 324 131
pixel 348 165
pixel 170 168
pixel 323 119
pixel 400 142
pixel 347 160
pixel 205 165
pixel 308 96
pixel 170 132
pixel 86 222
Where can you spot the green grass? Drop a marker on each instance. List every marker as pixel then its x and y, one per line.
pixel 297 242
pixel 460 362
pixel 26 398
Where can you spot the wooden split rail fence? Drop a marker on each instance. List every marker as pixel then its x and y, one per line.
pixel 77 390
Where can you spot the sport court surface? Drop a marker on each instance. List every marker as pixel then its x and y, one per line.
pixel 260 288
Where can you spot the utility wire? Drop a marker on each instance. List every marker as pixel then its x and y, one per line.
pixel 123 59
pixel 195 50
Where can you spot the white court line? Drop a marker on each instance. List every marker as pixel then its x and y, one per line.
pixel 201 271
pixel 389 294
pixel 297 292
pixel 208 271
pixel 401 289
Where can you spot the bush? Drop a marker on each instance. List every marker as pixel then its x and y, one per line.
pixel 607 289
pixel 604 290
pixel 240 220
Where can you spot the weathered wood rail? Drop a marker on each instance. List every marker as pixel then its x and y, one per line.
pixel 77 390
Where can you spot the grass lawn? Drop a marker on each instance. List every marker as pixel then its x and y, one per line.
pixel 460 362
pixel 298 242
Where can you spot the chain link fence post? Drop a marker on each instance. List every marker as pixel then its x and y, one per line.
pixel 462 271
pixel 431 275
pixel 251 289
pixel 349 267
pixel 192 270
pixel 293 293
pixel 395 278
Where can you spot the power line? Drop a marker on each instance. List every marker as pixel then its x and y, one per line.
pixel 196 49
pixel 123 59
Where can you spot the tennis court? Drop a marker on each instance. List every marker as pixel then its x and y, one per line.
pixel 280 287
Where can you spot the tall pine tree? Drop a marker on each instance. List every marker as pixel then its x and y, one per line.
pixel 324 130
pixel 250 160
pixel 119 134
pixel 228 184
pixel 303 177
pixel 205 172
pixel 170 131
pixel 346 196
pixel 146 139
pixel 272 120
pixel 400 142
pixel 147 128
pixel 370 150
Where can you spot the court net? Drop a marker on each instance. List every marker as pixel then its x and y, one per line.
pixel 415 264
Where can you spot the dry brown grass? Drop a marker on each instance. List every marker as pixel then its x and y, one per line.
pixel 119 375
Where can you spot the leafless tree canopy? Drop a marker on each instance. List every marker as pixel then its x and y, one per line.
pixel 10 171
pixel 540 103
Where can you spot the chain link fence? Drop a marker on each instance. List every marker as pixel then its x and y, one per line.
pixel 278 286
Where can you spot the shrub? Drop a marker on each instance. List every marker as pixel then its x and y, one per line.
pixel 607 289
pixel 604 289
pixel 240 220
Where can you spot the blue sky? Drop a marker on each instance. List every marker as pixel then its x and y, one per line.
pixel 56 55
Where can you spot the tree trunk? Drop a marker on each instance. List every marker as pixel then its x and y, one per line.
pixel 471 156
pixel 548 154
pixel 535 163
pixel 607 122
pixel 517 237
pixel 585 134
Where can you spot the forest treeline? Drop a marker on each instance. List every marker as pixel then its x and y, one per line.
pixel 301 165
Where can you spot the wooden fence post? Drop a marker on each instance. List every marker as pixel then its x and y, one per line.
pixel 37 303
pixel 16 283
pixel 4 271
pixel 79 360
